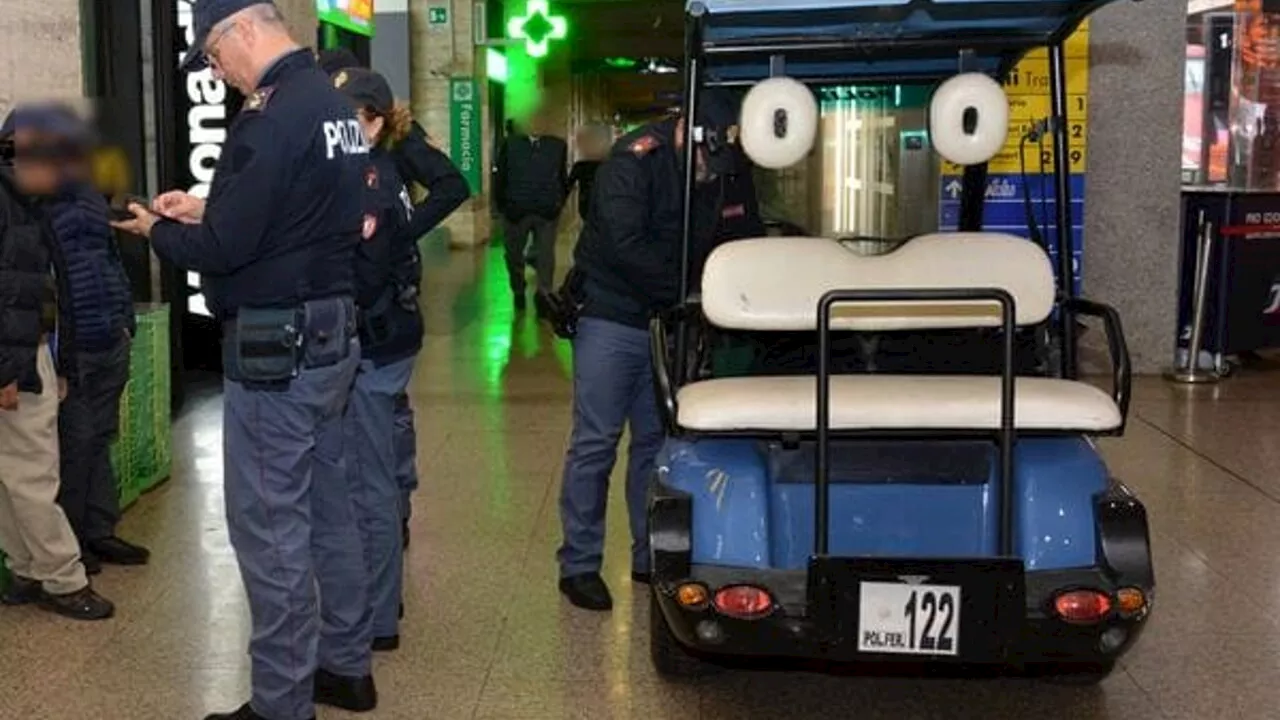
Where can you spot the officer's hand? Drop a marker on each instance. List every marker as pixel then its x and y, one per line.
pixel 9 397
pixel 142 222
pixel 180 206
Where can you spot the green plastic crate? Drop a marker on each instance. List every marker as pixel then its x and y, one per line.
pixel 143 455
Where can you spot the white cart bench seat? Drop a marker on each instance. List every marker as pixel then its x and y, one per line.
pixel 893 402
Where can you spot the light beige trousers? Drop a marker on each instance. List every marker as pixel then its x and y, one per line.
pixel 34 532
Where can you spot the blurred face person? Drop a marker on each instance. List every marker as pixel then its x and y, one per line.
pixel 36 168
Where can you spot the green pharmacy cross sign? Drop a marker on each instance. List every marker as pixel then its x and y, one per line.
pixel 537 27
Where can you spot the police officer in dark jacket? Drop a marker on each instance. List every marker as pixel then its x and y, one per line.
pixel 417 161
pixel 390 336
pixel 276 246
pixel 629 256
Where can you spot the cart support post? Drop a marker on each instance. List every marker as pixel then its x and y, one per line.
pixel 1062 194
pixel 692 81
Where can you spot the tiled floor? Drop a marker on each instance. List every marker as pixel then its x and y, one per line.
pixel 488 637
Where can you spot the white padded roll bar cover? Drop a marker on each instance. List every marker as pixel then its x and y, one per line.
pixel 947 112
pixel 759 108
pixel 774 284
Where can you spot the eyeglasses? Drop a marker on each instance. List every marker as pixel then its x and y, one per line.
pixel 211 46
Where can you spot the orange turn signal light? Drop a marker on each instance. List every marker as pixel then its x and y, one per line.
pixel 692 595
pixel 1083 607
pixel 1131 600
pixel 746 602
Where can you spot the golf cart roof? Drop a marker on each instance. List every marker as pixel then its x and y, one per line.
pixel 899 41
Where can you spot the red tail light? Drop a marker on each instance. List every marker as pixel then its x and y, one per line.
pixel 1083 607
pixel 743 601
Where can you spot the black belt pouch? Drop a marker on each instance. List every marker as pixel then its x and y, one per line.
pixel 263 346
pixel 330 325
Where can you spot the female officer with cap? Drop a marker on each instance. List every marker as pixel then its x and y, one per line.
pixel 390 337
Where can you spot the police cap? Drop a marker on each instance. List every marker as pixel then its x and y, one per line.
pixel 335 59
pixel 205 15
pixel 366 88
pixel 718 109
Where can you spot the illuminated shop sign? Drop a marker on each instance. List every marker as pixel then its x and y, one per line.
pixel 353 15
pixel 202 100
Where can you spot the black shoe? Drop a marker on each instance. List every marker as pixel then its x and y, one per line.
pixel 114 551
pixel 386 644
pixel 22 591
pixel 80 605
pixel 244 713
pixel 587 591
pixel 643 578
pixel 92 565
pixel 401 611
pixel 353 694
pixel 404 533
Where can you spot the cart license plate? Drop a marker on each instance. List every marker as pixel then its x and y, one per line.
pixel 909 619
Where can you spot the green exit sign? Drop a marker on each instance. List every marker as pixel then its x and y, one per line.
pixel 438 15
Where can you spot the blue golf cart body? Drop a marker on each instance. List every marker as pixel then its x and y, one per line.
pixel 886 518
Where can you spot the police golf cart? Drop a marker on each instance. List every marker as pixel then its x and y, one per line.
pixel 928 517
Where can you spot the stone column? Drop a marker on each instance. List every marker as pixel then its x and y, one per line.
pixel 1133 187
pixel 29 29
pixel 441 50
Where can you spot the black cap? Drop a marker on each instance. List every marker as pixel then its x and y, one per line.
pixel 366 88
pixel 335 59
pixel 204 15
pixel 718 109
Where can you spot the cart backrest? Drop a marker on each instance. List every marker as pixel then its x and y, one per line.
pixel 775 284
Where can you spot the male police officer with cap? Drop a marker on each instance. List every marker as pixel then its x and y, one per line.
pixel 275 244
pixel 629 259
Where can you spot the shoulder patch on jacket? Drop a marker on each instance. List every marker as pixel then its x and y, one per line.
pixel 643 145
pixel 259 99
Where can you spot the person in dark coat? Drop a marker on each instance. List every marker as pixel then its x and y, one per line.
pixel 593 144
pixel 37 361
pixel 101 302
pixel 530 192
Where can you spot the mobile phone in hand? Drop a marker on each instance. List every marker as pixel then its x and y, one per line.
pixel 120 208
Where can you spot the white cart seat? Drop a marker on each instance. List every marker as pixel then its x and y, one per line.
pixel 893 402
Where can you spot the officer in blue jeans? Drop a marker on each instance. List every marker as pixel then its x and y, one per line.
pixel 275 244
pixel 629 257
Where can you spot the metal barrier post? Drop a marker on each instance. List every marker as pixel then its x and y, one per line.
pixel 1190 372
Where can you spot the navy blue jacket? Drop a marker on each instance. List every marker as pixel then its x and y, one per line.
pixel 390 331
pixel 101 299
pixel 419 162
pixel 284 214
pixel 531 179
pixel 33 291
pixel 629 249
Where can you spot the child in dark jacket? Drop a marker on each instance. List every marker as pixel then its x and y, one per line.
pixel 102 307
